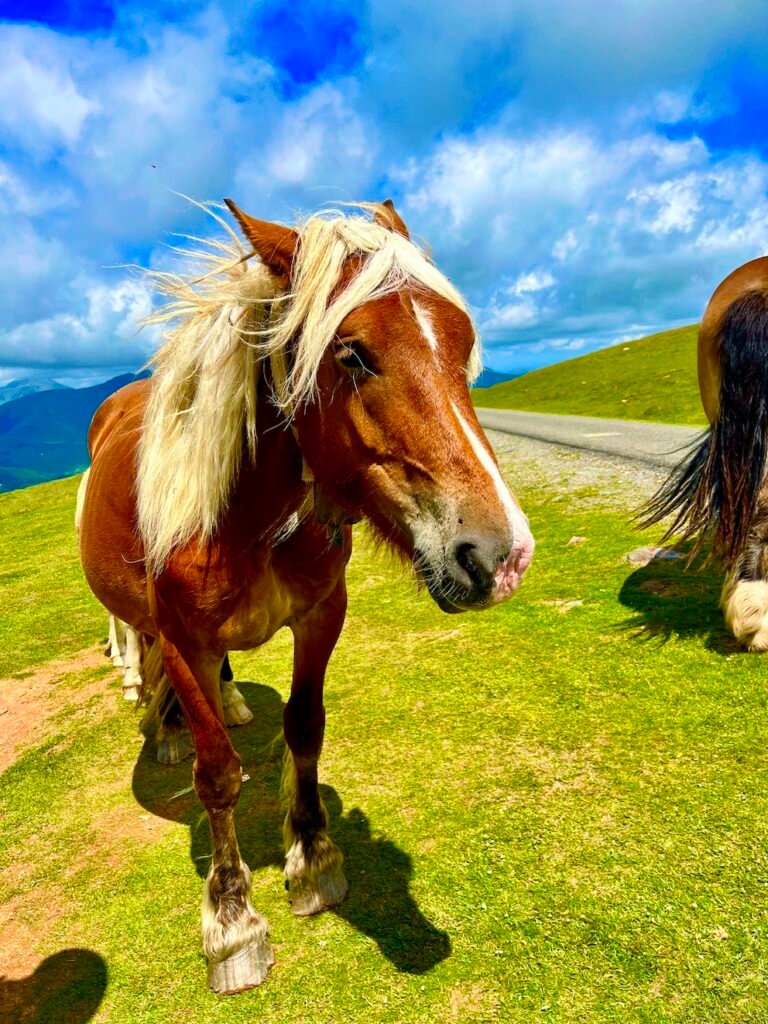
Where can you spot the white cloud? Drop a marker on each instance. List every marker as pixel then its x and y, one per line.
pixel 103 332
pixel 318 143
pixel 41 106
pixel 533 281
pixel 565 245
pixel 621 228
pixel 527 149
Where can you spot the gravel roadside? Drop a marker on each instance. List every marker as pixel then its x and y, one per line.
pixel 614 482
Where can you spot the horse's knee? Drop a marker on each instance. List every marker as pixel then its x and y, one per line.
pixel 218 778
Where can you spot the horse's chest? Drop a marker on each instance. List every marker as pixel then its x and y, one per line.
pixel 270 602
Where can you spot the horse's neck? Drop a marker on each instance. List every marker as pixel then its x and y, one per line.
pixel 270 489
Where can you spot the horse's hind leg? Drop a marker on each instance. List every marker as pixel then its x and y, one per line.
pixel 116 644
pixel 133 660
pixel 236 711
pixel 235 936
pixel 315 880
pixel 745 593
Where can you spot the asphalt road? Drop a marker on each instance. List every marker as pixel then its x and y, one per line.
pixel 655 444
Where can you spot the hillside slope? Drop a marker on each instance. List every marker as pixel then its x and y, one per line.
pixel 653 378
pixel 43 435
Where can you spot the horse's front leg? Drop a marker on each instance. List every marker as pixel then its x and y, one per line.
pixel 235 936
pixel 315 880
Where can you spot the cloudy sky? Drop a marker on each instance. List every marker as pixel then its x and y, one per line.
pixel 586 172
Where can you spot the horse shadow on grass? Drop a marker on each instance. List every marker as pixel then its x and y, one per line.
pixel 379 902
pixel 66 988
pixel 671 601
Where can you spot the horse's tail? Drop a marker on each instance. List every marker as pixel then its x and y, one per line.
pixel 156 693
pixel 81 499
pixel 718 483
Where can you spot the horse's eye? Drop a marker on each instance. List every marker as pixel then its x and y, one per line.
pixel 353 357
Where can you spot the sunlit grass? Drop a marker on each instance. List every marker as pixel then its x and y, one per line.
pixel 552 811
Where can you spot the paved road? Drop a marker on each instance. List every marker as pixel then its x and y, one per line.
pixel 655 444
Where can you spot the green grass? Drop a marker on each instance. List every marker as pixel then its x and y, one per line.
pixel 653 378
pixel 552 811
pixel 46 609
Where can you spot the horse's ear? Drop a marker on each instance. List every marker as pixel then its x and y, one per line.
pixel 274 243
pixel 388 217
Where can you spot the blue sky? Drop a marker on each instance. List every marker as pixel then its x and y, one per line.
pixel 585 172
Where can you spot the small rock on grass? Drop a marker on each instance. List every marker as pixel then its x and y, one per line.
pixel 642 556
pixel 576 540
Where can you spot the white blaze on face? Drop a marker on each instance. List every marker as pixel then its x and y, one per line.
pixel 425 323
pixel 518 524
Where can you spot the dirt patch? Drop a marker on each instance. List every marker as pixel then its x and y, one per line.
pixel 22 920
pixel 115 833
pixel 28 704
pixel 472 1002
pixel 562 605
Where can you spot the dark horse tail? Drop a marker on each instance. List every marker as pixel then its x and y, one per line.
pixel 718 483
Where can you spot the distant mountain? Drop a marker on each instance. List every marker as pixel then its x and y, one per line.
pixel 490 377
pixel 27 386
pixel 43 435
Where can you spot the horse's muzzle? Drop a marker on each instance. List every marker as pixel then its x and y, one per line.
pixel 478 573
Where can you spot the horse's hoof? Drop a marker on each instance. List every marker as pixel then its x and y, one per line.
pixel 174 748
pixel 117 661
pixel 244 970
pixel 313 895
pixel 237 713
pixel 131 693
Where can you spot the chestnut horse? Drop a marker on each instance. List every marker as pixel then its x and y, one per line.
pixel 722 483
pixel 320 379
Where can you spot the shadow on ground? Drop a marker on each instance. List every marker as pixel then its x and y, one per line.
pixel 379 903
pixel 671 601
pixel 66 988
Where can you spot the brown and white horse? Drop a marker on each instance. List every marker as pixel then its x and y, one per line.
pixel 722 484
pixel 318 380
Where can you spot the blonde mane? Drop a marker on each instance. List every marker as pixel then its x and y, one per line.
pixel 220 323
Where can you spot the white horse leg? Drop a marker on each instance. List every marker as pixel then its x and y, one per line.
pixel 115 649
pixel 132 676
pixel 236 711
pixel 745 607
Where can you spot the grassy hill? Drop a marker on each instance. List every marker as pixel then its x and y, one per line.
pixel 653 378
pixel 555 810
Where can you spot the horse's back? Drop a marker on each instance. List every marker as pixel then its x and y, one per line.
pixel 749 277
pixel 110 548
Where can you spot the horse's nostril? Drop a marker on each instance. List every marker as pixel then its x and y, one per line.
pixel 468 558
pixel 503 558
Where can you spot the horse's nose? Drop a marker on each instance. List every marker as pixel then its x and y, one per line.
pixel 475 563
